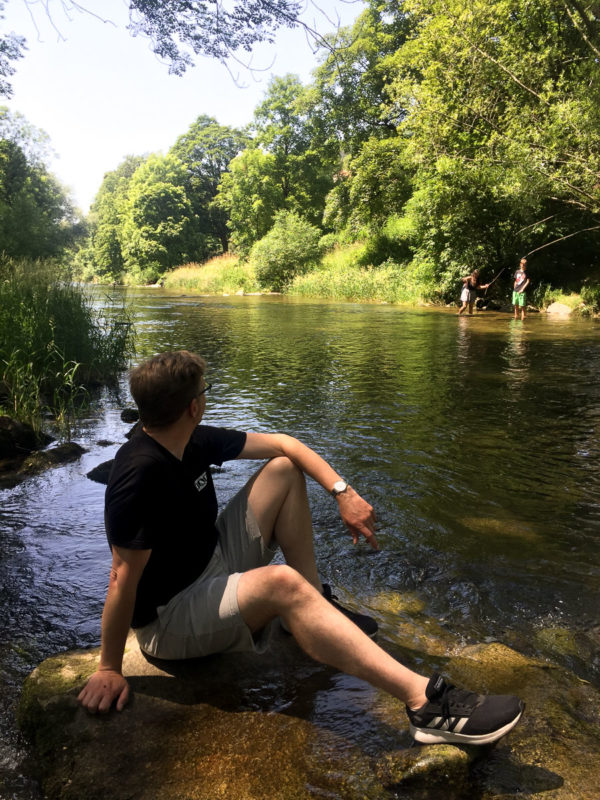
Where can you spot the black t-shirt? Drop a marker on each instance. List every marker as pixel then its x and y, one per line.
pixel 156 502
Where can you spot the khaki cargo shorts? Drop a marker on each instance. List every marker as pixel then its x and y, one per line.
pixel 204 617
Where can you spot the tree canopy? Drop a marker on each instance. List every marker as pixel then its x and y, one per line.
pixel 179 30
pixel 442 135
pixel 36 215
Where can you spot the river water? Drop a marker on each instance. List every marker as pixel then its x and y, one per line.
pixel 475 439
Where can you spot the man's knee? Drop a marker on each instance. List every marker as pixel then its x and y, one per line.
pixel 283 473
pixel 284 467
pixel 286 585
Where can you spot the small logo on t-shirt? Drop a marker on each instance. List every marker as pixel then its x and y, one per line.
pixel 201 481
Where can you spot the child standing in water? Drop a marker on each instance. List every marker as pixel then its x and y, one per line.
pixel 469 291
pixel 519 297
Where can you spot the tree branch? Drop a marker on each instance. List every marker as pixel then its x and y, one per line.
pixel 562 239
pixel 586 22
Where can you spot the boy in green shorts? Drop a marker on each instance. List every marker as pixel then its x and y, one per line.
pixel 519 298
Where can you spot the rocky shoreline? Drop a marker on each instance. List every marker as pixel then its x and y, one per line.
pixel 194 731
pixel 24 452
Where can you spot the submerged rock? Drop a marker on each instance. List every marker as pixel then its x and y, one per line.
pixel 130 415
pixel 100 472
pixel 559 308
pixel 283 727
pixel 13 472
pixel 17 439
pixel 42 459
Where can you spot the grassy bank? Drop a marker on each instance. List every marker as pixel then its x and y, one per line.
pixel 338 276
pixel 53 345
pixel 341 274
pixel 225 274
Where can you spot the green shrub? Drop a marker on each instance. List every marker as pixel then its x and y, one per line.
pixel 287 250
pixel 590 294
pixel 544 295
pixel 328 242
pixel 142 276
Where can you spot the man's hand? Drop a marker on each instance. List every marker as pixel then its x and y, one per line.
pixel 358 516
pixel 103 687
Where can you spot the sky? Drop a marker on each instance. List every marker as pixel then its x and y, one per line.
pixel 101 94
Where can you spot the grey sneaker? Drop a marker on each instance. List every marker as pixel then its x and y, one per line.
pixel 463 717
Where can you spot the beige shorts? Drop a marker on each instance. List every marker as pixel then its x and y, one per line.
pixel 205 617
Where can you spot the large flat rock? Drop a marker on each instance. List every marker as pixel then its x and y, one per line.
pixel 283 727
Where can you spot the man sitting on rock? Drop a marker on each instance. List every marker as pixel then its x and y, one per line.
pixel 191 582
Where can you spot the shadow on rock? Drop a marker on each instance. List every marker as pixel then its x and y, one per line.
pixel 283 727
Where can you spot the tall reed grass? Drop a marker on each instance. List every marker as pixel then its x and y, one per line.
pixel 224 274
pixel 53 345
pixel 340 276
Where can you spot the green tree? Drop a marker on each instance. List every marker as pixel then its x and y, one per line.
pixel 509 89
pixel 374 185
pixel 287 250
pixel 251 194
pixel 349 93
pixel 181 29
pixel 106 219
pixel 205 152
pixel 36 215
pixel 158 230
pixel 177 27
pixel 11 49
pixel 304 162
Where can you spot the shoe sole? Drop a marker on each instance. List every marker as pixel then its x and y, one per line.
pixel 432 736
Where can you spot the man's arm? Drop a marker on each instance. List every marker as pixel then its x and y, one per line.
pixel 525 285
pixel 107 683
pixel 357 514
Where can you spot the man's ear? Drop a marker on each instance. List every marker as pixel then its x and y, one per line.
pixel 194 407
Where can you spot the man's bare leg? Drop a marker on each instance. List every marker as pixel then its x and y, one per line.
pixel 278 499
pixel 323 632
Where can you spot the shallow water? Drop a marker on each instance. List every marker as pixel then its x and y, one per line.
pixel 476 440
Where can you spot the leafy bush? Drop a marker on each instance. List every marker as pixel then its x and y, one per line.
pixel 328 242
pixel 287 250
pixel 590 294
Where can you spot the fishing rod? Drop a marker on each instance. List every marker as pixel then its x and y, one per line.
pixel 494 279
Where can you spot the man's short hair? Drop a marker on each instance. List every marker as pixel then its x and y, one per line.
pixel 165 385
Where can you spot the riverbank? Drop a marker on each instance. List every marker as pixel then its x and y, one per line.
pixel 211 728
pixel 341 275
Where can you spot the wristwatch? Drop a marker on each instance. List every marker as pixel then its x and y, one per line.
pixel 339 487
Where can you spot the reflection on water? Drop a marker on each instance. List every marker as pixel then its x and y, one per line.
pixel 517 355
pixel 475 438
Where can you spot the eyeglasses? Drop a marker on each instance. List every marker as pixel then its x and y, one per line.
pixel 207 388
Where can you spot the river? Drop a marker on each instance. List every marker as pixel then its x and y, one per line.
pixel 476 440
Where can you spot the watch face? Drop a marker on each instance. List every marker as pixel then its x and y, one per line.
pixel 339 487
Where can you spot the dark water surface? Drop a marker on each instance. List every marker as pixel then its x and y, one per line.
pixel 475 439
